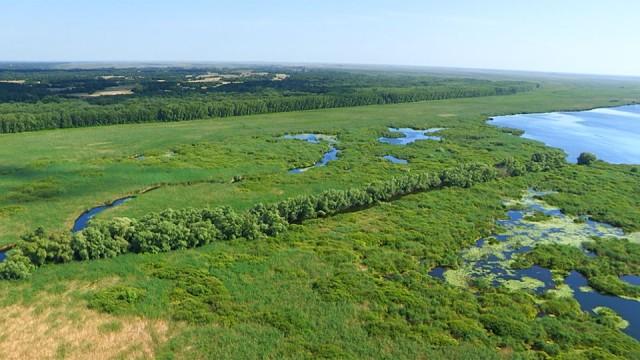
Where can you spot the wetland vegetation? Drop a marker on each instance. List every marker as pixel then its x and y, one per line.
pixel 483 244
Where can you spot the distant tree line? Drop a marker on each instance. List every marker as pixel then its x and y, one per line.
pixel 57 112
pixel 188 228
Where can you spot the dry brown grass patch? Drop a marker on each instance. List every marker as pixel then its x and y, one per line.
pixel 111 93
pixel 58 325
pixel 31 333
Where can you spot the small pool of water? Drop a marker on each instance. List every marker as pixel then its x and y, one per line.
pixel 491 257
pixel 395 160
pixel 327 157
pixel 538 273
pixel 438 272
pixel 589 300
pixel 610 133
pixel 410 136
pixel 83 220
pixel 311 138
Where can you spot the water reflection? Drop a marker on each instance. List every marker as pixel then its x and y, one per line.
pixel 590 299
pixel 83 220
pixel 327 157
pixel 410 135
pixel 491 257
pixel 395 160
pixel 631 279
pixel 612 133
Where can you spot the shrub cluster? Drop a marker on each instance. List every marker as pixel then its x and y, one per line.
pixel 586 158
pixel 188 228
pixel 546 161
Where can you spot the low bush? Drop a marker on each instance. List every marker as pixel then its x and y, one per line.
pixel 586 158
pixel 116 300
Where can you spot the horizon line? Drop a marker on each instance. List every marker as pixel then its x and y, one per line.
pixel 311 63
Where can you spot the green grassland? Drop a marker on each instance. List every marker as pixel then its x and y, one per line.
pixel 354 285
pixel 65 172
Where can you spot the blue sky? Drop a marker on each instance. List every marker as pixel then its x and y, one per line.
pixel 588 36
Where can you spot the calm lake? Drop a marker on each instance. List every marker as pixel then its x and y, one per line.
pixel 613 134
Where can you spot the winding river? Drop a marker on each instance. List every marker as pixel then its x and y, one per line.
pixel 83 220
pixel 327 157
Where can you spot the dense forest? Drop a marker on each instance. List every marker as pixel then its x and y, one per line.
pixel 48 99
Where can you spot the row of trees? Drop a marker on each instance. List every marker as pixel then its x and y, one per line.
pixel 19 117
pixel 189 228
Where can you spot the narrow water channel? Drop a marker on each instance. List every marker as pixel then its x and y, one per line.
pixel 83 220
